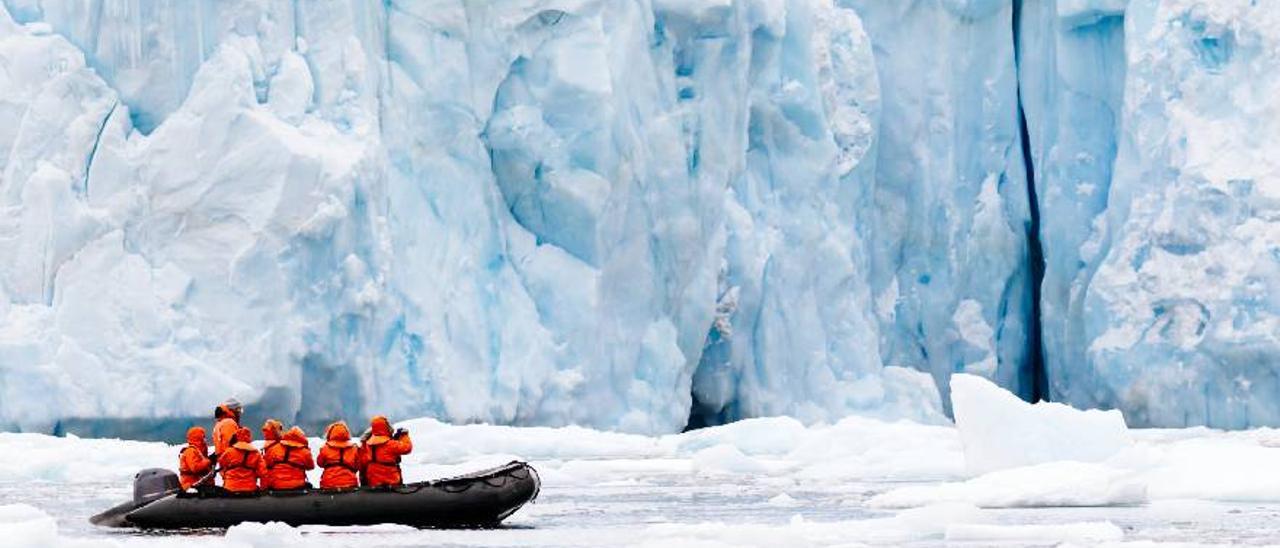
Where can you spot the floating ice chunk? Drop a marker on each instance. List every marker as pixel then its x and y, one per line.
pixel 917 524
pixel 1084 532
pixel 725 459
pixel 459 443
pixel 265 535
pixel 23 526
pixel 783 499
pixel 1052 484
pixel 1001 431
pixel 775 435
pixel 73 460
pixel 1216 467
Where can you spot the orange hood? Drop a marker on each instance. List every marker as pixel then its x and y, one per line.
pixel 338 435
pixel 295 437
pixel 195 438
pixel 380 430
pixel 272 429
pixel 244 439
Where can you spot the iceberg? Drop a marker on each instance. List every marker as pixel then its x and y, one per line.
pixel 1000 431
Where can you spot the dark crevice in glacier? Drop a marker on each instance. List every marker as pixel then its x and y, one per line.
pixel 93 152
pixel 1033 370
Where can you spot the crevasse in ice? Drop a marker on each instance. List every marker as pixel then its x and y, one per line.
pixel 1071 67
pixel 947 228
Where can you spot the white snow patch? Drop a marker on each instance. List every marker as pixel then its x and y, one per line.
pixel 265 535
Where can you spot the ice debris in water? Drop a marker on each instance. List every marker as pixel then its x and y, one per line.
pixel 265 535
pixel 25 526
pixel 1000 431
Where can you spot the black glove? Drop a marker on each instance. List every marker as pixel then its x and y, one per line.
pixel 399 433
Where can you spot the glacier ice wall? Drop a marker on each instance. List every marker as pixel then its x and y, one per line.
pixel 1071 67
pixel 794 314
pixel 949 222
pixel 1180 316
pixel 632 214
pixel 534 212
pixel 1150 127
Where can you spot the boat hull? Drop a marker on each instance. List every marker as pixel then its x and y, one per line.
pixel 482 499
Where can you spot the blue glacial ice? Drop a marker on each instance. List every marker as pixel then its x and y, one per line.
pixel 633 215
pixel 529 213
pixel 1180 316
pixel 1071 77
pixel 950 218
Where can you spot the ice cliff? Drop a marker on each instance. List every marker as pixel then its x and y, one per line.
pixel 1150 128
pixel 637 214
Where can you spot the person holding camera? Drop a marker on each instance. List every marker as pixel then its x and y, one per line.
pixel 381 453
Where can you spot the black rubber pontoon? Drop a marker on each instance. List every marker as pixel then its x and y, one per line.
pixel 481 499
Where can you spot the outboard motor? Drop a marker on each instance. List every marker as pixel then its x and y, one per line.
pixel 153 483
pixel 149 486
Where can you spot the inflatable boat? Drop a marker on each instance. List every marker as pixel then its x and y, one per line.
pixel 480 499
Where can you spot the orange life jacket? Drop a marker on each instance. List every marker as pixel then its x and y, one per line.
pixel 340 459
pixel 194 466
pixel 286 462
pixel 381 454
pixel 240 465
pixel 271 430
pixel 224 434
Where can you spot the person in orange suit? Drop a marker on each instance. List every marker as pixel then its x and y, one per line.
pixel 340 458
pixel 226 421
pixel 382 451
pixel 195 468
pixel 271 432
pixel 287 461
pixel 241 464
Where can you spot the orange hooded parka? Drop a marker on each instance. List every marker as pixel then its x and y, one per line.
pixel 271 431
pixel 241 464
pixel 227 421
pixel 340 459
pixel 287 461
pixel 381 453
pixel 194 465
